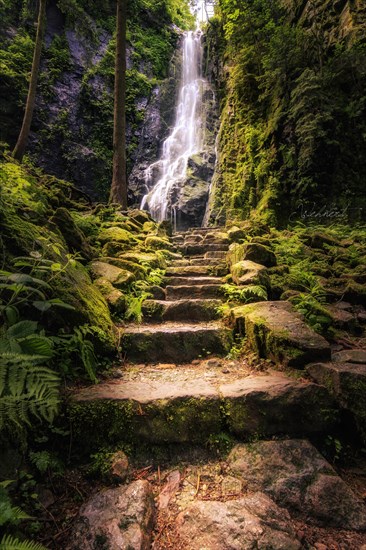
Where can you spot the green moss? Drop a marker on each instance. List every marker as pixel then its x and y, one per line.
pixel 157 243
pixel 116 234
pixel 75 288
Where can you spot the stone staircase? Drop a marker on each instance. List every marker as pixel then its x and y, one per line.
pixel 182 327
pixel 177 393
pixel 175 384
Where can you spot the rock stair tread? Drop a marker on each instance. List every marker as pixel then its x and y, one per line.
pixel 171 327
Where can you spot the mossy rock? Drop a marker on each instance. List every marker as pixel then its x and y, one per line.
pixel 140 216
pixel 249 273
pixel 260 254
pixel 115 248
pixel 320 240
pixel 116 234
pixel 138 270
pixel 118 277
pixel 75 287
pixel 158 243
pixel 149 227
pixel 155 261
pixel 236 235
pixel 74 237
pixel 114 297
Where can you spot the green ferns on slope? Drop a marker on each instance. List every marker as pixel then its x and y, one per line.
pixel 293 109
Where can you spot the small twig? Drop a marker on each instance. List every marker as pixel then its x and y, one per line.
pixel 159 475
pixel 198 483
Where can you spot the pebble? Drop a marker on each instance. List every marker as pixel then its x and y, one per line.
pixel 320 546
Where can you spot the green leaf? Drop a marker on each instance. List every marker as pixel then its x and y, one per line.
pixel 11 543
pixel 22 329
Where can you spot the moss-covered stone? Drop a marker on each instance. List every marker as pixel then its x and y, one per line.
pixel 158 243
pixel 115 275
pixel 274 330
pixel 137 269
pixel 73 235
pixel 249 273
pixel 259 253
pixel 114 297
pixel 116 234
pixel 153 260
pixel 75 288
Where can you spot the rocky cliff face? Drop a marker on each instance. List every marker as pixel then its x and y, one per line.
pixel 292 77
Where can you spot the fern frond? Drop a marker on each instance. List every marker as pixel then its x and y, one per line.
pixel 11 543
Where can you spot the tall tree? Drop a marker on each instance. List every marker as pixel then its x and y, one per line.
pixel 119 182
pixel 21 145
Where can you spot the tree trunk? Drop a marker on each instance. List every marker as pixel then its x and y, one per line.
pixel 21 145
pixel 119 182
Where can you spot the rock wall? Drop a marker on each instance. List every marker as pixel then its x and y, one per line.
pixel 291 80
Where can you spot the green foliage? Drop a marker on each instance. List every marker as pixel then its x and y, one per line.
pixel 293 113
pixel 9 542
pixel 246 294
pixel 46 462
pixel 76 353
pixel 9 513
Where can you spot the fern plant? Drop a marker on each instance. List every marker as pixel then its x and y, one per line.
pixel 246 294
pixel 11 543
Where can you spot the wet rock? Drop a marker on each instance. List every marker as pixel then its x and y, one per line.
pixel 276 331
pixel 297 477
pixel 247 272
pixel 117 519
pixel 251 522
pixel 116 276
pixel 260 254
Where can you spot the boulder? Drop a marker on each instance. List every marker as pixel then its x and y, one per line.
pixel 297 477
pixel 260 254
pixel 115 275
pixel 249 273
pixel 254 521
pixel 117 519
pixel 347 382
pixel 276 331
pixel 236 234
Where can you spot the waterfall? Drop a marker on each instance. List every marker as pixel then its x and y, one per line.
pixel 165 176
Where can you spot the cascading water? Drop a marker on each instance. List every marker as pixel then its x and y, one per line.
pixel 185 139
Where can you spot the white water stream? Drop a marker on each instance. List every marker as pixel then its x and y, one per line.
pixel 164 176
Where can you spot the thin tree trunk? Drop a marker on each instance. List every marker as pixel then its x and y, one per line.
pixel 119 182
pixel 22 142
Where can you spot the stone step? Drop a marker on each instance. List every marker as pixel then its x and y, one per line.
pixel 276 331
pixel 180 263
pixel 186 404
pixel 200 260
pixel 181 310
pixel 197 291
pixel 185 270
pixel 196 249
pixel 193 281
pixel 174 342
pixel 221 254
